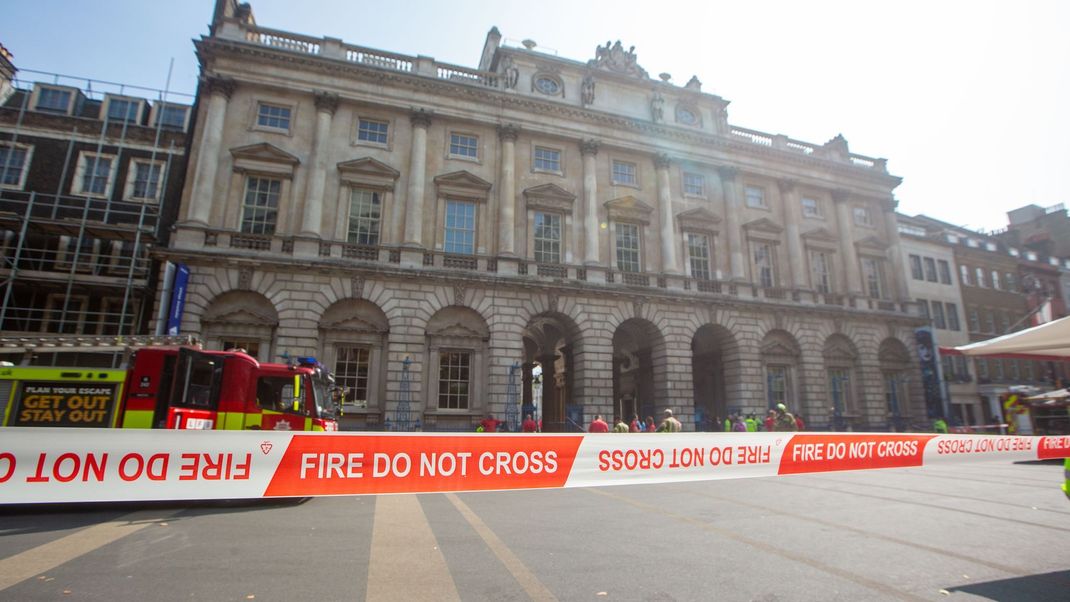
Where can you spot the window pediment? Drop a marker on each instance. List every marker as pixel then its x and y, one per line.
pixel 368 172
pixel 353 324
pixel 264 158
pixel 764 226
pixel 462 184
pixel 698 219
pixel 243 317
pixel 549 197
pixel 820 238
pixel 629 209
pixel 871 245
pixel 778 349
pixel 456 330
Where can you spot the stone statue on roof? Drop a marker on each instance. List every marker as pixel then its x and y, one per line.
pixel 614 58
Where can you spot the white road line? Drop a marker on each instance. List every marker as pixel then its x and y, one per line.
pixel 45 557
pixel 526 578
pixel 406 563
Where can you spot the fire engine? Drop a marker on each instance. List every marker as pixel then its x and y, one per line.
pixel 174 387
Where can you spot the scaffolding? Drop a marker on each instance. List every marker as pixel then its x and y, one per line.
pixel 83 198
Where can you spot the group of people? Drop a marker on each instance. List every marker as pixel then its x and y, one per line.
pixel 777 419
pixel 668 424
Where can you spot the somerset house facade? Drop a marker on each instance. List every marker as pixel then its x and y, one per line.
pixel 454 241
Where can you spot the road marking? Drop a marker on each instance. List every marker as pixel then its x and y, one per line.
pixel 527 580
pixel 887 590
pixel 406 563
pixel 45 557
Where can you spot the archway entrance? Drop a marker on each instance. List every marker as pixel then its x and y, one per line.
pixel 550 342
pixel 637 348
pixel 710 348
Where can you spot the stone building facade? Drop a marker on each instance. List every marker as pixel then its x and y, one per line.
pixel 433 232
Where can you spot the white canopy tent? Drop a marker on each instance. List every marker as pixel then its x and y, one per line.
pixel 1049 341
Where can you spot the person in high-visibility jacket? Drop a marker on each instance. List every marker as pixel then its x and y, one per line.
pixel 1066 477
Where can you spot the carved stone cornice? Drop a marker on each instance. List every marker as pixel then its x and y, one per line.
pixel 508 132
pixel 325 101
pixel 222 85
pixel 662 161
pixel 420 118
pixel 589 147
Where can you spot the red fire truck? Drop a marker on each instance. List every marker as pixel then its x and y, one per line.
pixel 175 387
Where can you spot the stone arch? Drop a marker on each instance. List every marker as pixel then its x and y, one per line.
pixel 714 362
pixel 550 341
pixel 353 337
pixel 241 319
pixel 458 360
pixel 639 368
pixel 780 355
pixel 895 366
pixel 842 374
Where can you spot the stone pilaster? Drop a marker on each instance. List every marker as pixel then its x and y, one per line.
pixel 668 238
pixel 312 218
pixel 796 252
pixel 733 232
pixel 895 249
pixel 414 200
pixel 507 188
pixel 219 91
pixel 845 227
pixel 589 150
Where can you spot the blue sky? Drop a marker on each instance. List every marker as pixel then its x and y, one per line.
pixel 966 100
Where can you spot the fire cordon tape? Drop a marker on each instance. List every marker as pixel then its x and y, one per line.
pixel 93 465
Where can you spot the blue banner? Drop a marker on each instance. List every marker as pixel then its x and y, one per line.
pixel 178 299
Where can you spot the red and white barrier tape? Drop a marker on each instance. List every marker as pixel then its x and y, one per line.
pixel 85 465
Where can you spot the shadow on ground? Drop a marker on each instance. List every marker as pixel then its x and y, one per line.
pixel 1046 586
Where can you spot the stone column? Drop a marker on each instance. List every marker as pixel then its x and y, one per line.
pixel 845 228
pixel 733 232
pixel 589 150
pixel 219 91
pixel 895 250
pixel 795 246
pixel 414 200
pixel 312 219
pixel 668 239
pixel 507 188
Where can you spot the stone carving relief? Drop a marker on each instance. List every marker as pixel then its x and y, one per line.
pixel 459 294
pixel 587 91
pixel 657 108
pixel 245 278
pixel 357 286
pixel 510 74
pixel 614 58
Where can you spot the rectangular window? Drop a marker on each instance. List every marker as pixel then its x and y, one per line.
pixel 1012 282
pixel 945 271
pixel 820 272
pixel 953 317
pixel 763 265
pixel 754 196
pixel 923 308
pixel 146 180
pixel 778 385
pixel 250 347
pixel 930 269
pixel 373 130
pixel 365 212
pixel 112 320
pixel 1012 369
pixel 53 100
pixel 810 207
pixel 460 227
pixel 547 237
pixel 123 110
pixel 698 253
pixel 997 369
pixel 273 116
pixel 65 315
pixel 964 275
pixel 962 370
pixel 1027 370
pixel 351 369
pixel 12 166
pixel 628 248
pixel 982 368
pixel 171 116
pixel 1004 323
pixel 980 274
pixel 839 390
pixel 938 315
pixel 96 175
pixel 463 146
pixel 547 159
pixel 260 209
pixel 454 379
pixel 625 173
pixel 990 321
pixel 995 280
pixel 871 272
pixel 974 318
pixel 915 268
pixel 694 184
pixel 862 217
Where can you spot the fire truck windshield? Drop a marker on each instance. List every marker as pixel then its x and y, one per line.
pixel 326 406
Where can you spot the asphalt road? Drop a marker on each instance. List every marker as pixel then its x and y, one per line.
pixel 981 531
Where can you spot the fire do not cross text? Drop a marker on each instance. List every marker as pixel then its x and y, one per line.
pixel 353 465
